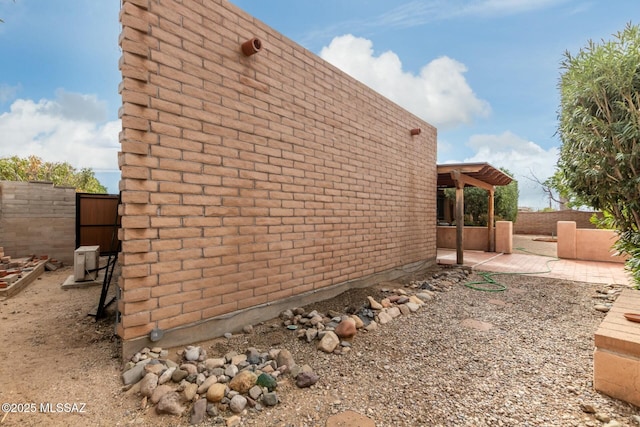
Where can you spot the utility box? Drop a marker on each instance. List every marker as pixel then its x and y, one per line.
pixel 86 260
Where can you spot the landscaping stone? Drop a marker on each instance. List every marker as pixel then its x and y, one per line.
pixel 178 375
pixel 267 381
pixel 284 358
pixel 216 392
pixel 270 399
pixel 238 381
pixel 206 384
pixel 243 382
pixel 375 305
pixel 198 412
pixel 329 342
pixel 306 379
pixel 148 384
pixel 192 353
pixel 170 404
pixel 238 403
pixel 346 328
pixel 159 392
pixel 135 374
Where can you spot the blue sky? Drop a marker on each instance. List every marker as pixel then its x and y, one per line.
pixel 485 72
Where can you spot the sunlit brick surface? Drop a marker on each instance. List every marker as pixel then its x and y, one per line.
pixel 247 180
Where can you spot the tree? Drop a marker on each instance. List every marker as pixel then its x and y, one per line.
pixel 476 202
pixel 549 188
pixel 33 168
pixel 599 125
pixel 506 200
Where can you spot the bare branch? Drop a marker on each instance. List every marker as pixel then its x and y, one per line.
pixel 546 188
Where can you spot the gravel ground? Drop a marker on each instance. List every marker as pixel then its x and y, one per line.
pixel 522 357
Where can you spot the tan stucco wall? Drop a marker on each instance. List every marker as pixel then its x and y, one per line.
pixel 504 237
pixel 475 238
pixel 596 245
pixel 586 244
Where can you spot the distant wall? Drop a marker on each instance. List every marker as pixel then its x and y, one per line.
pixel 37 218
pixel 544 223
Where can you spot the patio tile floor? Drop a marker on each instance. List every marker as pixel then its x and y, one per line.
pixel 543 266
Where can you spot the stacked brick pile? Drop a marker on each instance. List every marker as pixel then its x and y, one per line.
pixel 8 274
pixel 13 270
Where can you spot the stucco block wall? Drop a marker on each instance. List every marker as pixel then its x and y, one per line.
pixel 475 238
pixel 587 244
pixel 37 218
pixel 250 180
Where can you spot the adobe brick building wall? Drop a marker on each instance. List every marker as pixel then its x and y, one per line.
pixel 37 218
pixel 545 223
pixel 251 184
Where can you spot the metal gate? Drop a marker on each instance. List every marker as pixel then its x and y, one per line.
pixel 96 216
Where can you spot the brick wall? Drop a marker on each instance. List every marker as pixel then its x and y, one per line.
pixel 544 223
pixel 248 181
pixel 37 218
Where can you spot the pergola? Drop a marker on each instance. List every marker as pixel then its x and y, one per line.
pixel 482 175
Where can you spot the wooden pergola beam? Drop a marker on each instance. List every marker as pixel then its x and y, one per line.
pixel 458 176
pixel 490 227
pixel 482 171
pixel 459 222
pixel 461 180
pixel 464 168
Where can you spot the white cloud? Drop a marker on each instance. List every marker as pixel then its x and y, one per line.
pixel 79 107
pixel 444 147
pixel 524 159
pixel 71 128
pixel 7 92
pixel 421 12
pixel 410 14
pixel 581 8
pixel 439 94
pixel 503 7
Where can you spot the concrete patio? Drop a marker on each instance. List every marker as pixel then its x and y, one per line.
pixel 543 266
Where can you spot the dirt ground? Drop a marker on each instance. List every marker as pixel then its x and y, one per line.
pixel 53 352
pixel 61 367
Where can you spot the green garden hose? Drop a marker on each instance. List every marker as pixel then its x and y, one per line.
pixel 489 284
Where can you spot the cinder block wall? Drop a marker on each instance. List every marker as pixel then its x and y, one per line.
pixel 252 181
pixel 544 223
pixel 37 218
